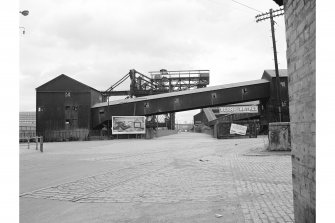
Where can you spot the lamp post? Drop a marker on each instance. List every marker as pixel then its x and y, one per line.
pixel 24 29
pixel 24 12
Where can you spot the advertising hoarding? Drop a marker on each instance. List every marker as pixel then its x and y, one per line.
pixel 128 125
pixel 238 129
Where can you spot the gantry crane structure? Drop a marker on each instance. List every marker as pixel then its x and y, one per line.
pixel 159 82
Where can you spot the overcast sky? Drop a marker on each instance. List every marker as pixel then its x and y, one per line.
pixel 97 42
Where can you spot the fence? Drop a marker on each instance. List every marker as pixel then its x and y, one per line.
pixel 83 135
pixel 33 140
pixel 103 134
pixel 65 135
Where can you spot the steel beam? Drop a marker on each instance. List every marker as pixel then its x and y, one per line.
pixel 115 93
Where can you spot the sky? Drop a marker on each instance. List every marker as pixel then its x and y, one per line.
pixel 98 42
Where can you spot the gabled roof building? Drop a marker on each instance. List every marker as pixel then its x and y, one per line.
pixel 63 108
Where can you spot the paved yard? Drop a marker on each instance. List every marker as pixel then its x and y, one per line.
pixel 188 177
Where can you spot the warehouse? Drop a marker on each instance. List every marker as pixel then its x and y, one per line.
pixel 63 107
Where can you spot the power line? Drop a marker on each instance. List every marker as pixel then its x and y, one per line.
pixel 246 5
pixel 219 3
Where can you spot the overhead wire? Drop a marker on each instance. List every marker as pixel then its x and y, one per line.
pixel 245 27
pixel 246 6
pixel 249 7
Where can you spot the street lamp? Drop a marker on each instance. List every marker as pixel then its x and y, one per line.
pixel 24 29
pixel 24 12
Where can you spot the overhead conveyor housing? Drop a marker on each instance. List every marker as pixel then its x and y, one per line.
pixel 181 101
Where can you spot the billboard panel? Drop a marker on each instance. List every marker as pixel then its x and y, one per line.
pixel 238 129
pixel 128 125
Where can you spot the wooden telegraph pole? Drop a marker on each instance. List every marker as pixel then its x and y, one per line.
pixel 108 116
pixel 270 15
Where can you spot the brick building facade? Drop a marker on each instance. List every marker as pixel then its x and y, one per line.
pixel 300 24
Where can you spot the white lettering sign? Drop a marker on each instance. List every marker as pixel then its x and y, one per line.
pixel 238 129
pixel 238 109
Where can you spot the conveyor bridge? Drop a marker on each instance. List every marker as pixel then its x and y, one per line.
pixel 181 100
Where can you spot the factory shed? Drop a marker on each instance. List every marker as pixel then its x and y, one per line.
pixel 63 107
pixel 271 104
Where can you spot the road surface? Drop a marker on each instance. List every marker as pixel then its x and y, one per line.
pixel 187 177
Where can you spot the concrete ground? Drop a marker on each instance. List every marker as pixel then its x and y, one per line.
pixel 187 177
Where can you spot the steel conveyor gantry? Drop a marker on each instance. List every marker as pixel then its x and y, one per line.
pixel 181 100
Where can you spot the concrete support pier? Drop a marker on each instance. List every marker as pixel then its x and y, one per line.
pixel 279 136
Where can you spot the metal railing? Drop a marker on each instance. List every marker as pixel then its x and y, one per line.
pixel 33 140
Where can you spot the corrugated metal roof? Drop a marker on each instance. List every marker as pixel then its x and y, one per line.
pixel 272 73
pixel 282 72
pixel 177 93
pixel 246 103
pixel 209 114
pixel 240 104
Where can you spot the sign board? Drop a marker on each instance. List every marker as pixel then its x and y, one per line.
pixel 238 129
pixel 238 109
pixel 128 125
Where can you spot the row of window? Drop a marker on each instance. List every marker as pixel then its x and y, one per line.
pixel 67 107
pixel 27 128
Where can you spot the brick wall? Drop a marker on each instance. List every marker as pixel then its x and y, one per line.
pixel 300 38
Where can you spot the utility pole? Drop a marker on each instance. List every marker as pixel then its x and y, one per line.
pixel 270 15
pixel 108 116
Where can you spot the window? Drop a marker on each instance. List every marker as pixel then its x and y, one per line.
pixel 67 107
pixel 67 121
pixel 40 109
pixel 67 94
pixel 75 108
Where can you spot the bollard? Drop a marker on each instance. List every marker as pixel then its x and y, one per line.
pixel 28 141
pixel 41 144
pixel 36 141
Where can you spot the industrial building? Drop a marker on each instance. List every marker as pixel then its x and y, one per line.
pixel 63 107
pixel 27 124
pixel 67 109
pixel 256 115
